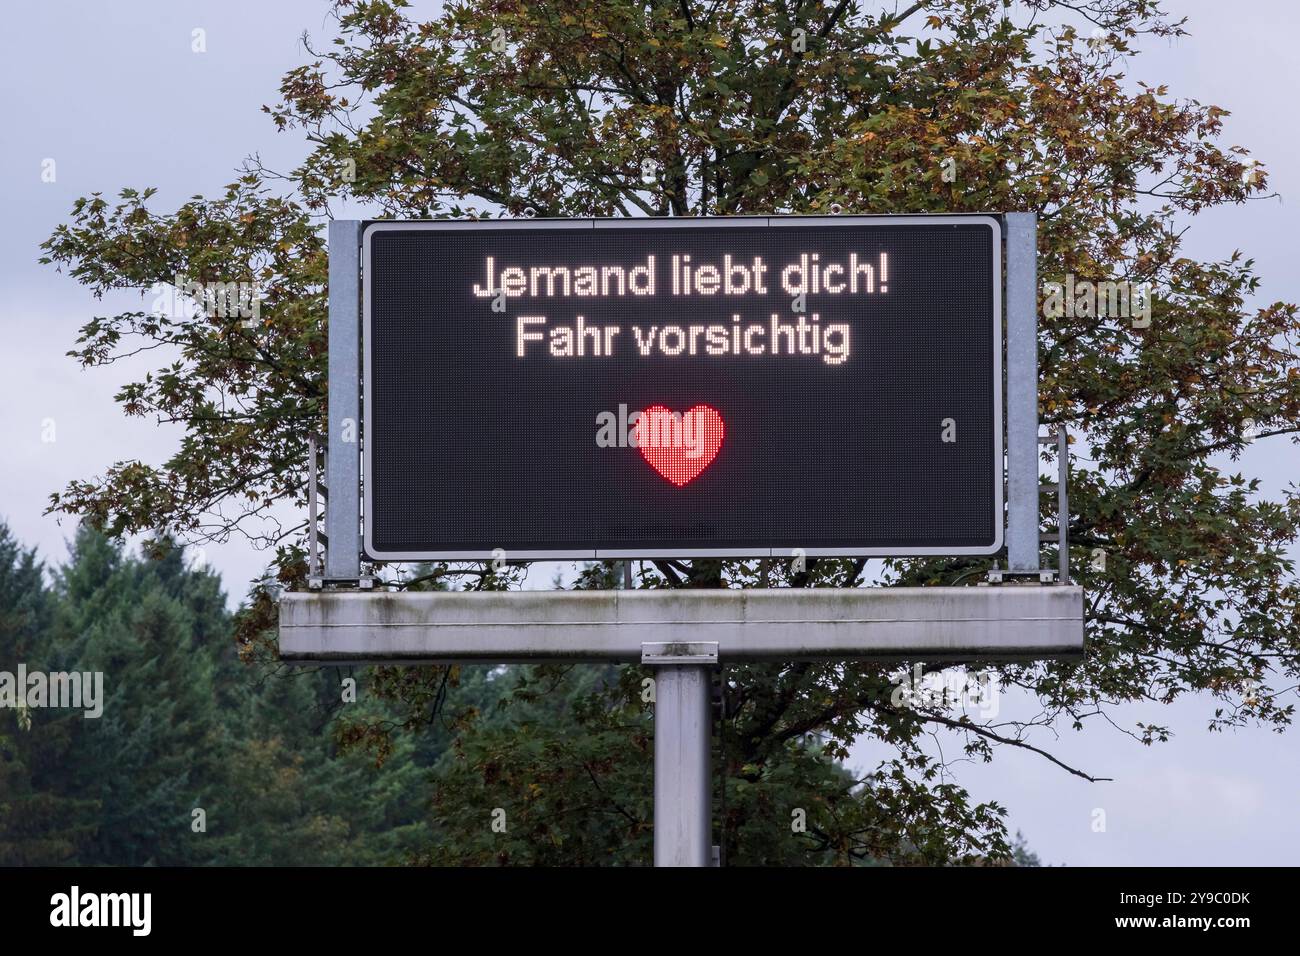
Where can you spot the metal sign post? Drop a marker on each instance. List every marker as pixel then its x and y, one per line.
pixel 1022 393
pixel 343 448
pixel 684 634
pixel 683 797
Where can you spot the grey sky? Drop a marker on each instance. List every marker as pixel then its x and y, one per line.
pixel 113 94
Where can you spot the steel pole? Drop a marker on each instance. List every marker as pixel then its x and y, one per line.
pixel 683 833
pixel 343 449
pixel 1022 392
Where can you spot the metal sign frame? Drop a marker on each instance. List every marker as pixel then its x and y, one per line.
pixel 369 229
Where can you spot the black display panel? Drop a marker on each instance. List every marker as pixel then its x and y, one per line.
pixel 621 388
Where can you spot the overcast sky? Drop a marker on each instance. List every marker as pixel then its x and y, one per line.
pixel 115 96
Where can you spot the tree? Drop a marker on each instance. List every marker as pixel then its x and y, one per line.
pixel 37 826
pixel 610 108
pixel 183 726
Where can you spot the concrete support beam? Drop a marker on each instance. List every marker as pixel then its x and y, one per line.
pixel 1010 622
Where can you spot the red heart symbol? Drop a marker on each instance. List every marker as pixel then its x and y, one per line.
pixel 679 447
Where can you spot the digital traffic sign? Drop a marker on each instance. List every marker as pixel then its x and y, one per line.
pixel 682 387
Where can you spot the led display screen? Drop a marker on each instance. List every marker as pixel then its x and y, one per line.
pixel 682 387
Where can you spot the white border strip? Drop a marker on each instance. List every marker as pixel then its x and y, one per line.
pixel 999 477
